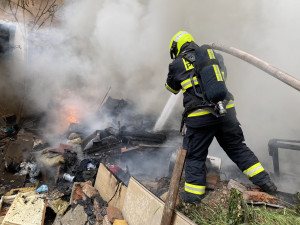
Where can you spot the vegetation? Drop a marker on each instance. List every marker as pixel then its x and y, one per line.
pixel 30 15
pixel 236 211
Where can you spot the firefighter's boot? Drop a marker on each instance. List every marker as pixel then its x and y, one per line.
pixel 190 197
pixel 269 187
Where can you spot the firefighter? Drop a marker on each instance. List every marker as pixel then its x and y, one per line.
pixel 203 122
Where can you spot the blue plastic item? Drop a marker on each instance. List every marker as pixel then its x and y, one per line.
pixel 42 189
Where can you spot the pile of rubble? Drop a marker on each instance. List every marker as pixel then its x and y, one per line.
pixel 63 176
pixel 88 178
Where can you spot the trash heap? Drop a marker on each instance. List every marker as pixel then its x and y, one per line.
pixel 61 184
pixel 62 176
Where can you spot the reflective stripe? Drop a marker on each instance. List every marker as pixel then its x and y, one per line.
pixel 195 189
pixel 179 35
pixel 170 89
pixel 216 67
pixel 185 81
pixel 211 53
pixel 201 112
pixel 254 170
pixel 230 104
pixel 223 75
pixel 188 83
pixel 218 73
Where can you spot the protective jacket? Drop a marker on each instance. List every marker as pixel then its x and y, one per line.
pixel 203 125
pixel 179 78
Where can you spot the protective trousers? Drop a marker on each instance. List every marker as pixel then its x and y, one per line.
pixel 230 137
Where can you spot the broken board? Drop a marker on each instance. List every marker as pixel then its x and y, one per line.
pixel 110 188
pixel 27 209
pixel 142 207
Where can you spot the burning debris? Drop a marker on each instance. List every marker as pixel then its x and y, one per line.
pixel 65 176
pixel 66 172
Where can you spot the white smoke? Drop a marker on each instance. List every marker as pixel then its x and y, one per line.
pixel 124 44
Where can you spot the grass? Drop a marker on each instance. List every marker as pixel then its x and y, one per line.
pixel 236 211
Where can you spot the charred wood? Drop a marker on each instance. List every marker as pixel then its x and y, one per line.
pixel 106 144
pixel 144 134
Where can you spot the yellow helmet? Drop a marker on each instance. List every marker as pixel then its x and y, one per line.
pixel 177 41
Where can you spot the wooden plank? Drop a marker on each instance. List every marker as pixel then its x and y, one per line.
pixel 45 207
pixel 129 149
pixel 174 188
pixel 155 146
pixel 110 188
pixel 143 207
pixel 140 146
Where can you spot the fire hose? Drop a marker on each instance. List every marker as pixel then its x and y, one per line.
pixel 275 72
pixel 175 179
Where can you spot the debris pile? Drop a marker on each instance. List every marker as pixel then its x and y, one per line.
pixel 64 174
pixel 84 177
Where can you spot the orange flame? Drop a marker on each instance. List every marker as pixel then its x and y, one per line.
pixel 71 114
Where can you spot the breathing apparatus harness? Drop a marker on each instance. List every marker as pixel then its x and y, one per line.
pixel 199 100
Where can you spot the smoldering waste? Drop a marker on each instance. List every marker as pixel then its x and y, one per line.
pixel 66 171
pixel 62 175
